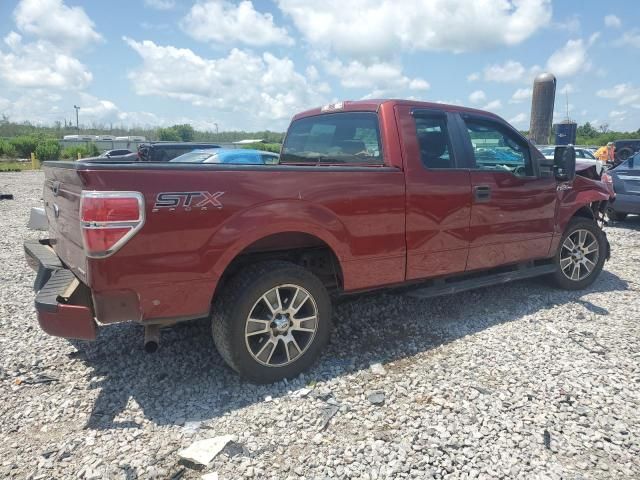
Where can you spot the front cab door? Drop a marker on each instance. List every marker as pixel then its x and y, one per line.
pixel 513 201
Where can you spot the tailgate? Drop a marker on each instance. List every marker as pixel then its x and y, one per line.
pixel 62 189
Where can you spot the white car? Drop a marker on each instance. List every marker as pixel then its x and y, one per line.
pixel 583 155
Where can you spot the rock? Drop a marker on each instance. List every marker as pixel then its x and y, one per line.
pixel 376 397
pixel 210 476
pixel 378 369
pixel 202 452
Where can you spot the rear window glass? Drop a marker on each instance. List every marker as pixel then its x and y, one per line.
pixel 350 137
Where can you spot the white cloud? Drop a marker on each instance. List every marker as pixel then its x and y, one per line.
pixel 52 20
pixel 374 29
pixel 612 21
pixel 624 93
pixel 510 71
pixel 630 38
pixel 619 114
pixel 493 105
pixel 568 88
pixel 160 4
pixel 570 59
pixel 477 96
pixel 242 82
pixel 386 78
pixel 220 21
pixel 571 24
pixel 40 65
pixel 47 61
pixel 519 119
pixel 521 95
pixel 473 77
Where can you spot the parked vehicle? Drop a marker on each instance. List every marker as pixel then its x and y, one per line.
pixel 625 149
pixel 228 155
pixel 115 153
pixel 166 151
pixel 368 195
pixel 626 184
pixel 584 158
pixel 581 153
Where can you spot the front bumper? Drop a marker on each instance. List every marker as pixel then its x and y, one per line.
pixel 62 302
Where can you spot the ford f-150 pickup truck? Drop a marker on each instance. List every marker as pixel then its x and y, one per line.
pixel 425 198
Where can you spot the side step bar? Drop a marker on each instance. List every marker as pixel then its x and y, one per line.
pixel 459 284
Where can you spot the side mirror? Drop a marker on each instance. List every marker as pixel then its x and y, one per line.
pixel 564 163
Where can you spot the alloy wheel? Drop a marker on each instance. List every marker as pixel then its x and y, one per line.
pixel 579 255
pixel 281 325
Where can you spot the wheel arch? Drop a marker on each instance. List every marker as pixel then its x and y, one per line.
pixel 316 251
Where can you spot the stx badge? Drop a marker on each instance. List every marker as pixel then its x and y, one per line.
pixel 187 201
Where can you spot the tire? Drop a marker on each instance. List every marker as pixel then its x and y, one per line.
pixel 624 154
pixel 243 342
pixel 566 278
pixel 616 216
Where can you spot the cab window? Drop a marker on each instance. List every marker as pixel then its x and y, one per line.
pixel 433 141
pixel 497 149
pixel 348 137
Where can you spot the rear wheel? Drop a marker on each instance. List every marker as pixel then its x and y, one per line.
pixel 581 255
pixel 271 321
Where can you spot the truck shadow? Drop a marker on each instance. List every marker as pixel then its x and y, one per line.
pixel 630 223
pixel 186 380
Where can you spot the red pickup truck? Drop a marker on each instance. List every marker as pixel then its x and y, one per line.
pixel 425 198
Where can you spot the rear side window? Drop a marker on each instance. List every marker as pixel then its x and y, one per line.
pixel 434 143
pixel 496 148
pixel 349 137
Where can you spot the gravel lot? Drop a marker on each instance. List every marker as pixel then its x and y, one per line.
pixel 515 381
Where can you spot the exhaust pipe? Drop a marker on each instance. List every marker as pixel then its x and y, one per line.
pixel 151 338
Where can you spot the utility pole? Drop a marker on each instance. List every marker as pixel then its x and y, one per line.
pixel 216 128
pixel 77 124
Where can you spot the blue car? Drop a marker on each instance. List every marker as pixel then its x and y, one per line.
pixel 626 184
pixel 229 155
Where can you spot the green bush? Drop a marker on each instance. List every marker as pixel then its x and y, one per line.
pixel 265 147
pixel 48 149
pixel 89 150
pixel 169 134
pixel 25 145
pixel 7 150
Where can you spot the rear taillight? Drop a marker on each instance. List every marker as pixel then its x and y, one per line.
pixel 109 220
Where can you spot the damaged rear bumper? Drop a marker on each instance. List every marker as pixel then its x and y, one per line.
pixel 63 303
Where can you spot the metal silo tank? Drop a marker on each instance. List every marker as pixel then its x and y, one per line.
pixel 566 132
pixel 544 94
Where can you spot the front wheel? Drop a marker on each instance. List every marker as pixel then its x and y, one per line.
pixel 581 255
pixel 271 321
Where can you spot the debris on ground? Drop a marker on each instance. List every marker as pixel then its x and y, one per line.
pixel 202 452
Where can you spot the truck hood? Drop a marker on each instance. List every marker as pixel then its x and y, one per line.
pixel 589 168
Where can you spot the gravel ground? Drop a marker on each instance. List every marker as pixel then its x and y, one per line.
pixel 515 381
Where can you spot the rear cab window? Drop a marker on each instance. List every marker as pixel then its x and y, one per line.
pixel 434 142
pixel 351 138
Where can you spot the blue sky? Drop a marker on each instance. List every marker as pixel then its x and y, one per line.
pixel 253 64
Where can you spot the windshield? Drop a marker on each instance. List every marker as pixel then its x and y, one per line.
pixel 348 137
pixel 193 157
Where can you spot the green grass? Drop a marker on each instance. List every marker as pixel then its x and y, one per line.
pixel 14 166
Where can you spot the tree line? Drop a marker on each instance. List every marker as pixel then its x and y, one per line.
pixel 181 132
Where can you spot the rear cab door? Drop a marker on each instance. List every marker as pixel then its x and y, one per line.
pixel 438 192
pixel 513 199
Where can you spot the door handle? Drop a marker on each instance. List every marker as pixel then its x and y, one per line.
pixel 482 193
